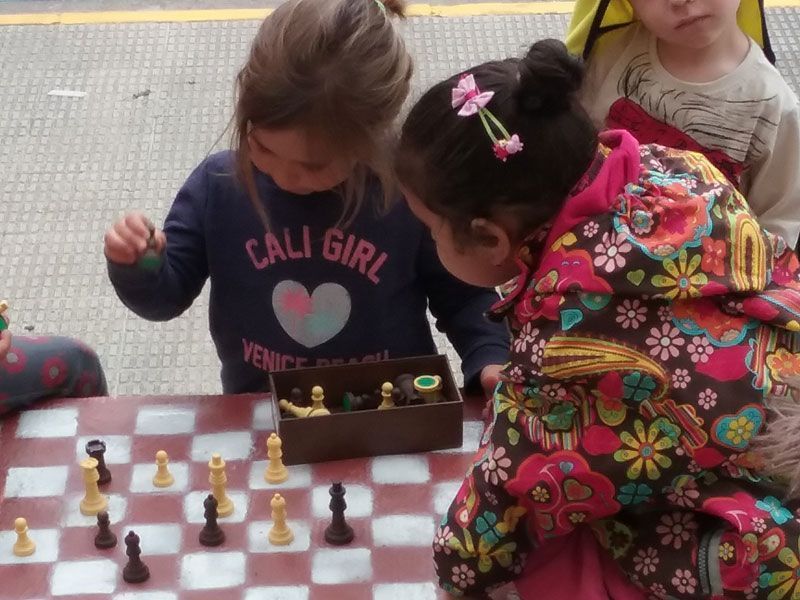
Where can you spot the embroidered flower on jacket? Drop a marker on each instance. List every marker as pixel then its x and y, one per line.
pixel 463 576
pixel 442 539
pixel 681 379
pixel 554 391
pixel 684 581
pixel 665 313
pixel 645 561
pixel 676 529
pixel 494 467
pixel 537 354
pixel 665 341
pixel 610 252
pixel 527 335
pixel 641 222
pixel 707 399
pixel 683 494
pixel 700 349
pixel 658 591
pixel 682 280
pixel 714 253
pixel 759 524
pixel 590 229
pixel 643 451
pixel 631 313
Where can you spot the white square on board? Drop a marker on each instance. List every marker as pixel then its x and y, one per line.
pixel 46 541
pixel 48 423
pixel 79 577
pixel 142 479
pixel 157 538
pixel 295 592
pixel 36 482
pixel 258 540
pixel 146 596
pixel 118 448
pixel 117 506
pixel 212 570
pixel 193 509
pixel 357 497
pixel 403 530
pixel 443 495
pixel 263 419
pixel 299 477
pixel 231 445
pixel 400 469
pixel 406 591
pixel 341 565
pixel 165 420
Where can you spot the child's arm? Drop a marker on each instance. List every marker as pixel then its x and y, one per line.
pixel 460 310
pixel 483 540
pixel 167 291
pixel 774 181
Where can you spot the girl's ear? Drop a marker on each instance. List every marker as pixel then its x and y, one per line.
pixel 493 239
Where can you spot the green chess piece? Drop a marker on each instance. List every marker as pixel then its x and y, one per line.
pixel 151 259
pixel 3 318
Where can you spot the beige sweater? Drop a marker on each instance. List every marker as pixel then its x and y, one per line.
pixel 747 122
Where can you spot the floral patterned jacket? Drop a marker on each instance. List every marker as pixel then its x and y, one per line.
pixel 651 319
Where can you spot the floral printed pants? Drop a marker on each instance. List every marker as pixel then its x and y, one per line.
pixel 733 543
pixel 37 368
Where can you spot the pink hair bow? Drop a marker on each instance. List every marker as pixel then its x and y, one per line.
pixel 472 101
pixel 467 95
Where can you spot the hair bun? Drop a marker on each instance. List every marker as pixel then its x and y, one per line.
pixel 549 78
pixel 394 7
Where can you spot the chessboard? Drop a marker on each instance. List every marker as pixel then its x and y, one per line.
pixel 394 504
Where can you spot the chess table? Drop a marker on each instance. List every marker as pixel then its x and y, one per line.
pixel 393 504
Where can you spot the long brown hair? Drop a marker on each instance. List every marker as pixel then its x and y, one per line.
pixel 337 68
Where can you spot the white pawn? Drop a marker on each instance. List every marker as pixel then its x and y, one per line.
pixel 318 408
pixel 386 394
pixel 24 546
pixel 162 478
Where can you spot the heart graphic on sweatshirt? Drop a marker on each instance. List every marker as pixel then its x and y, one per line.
pixel 311 319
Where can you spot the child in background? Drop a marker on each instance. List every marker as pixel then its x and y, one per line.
pixel 652 319
pixel 332 279
pixel 33 369
pixel 697 75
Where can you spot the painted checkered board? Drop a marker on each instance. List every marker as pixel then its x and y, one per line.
pixel 394 503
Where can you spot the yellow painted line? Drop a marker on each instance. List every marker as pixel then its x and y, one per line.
pixel 489 8
pixel 255 14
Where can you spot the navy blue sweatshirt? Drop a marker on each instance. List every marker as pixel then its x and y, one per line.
pixel 307 293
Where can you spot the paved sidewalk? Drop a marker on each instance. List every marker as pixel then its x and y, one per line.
pixel 158 97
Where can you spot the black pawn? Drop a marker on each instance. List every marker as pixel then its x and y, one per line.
pixel 338 532
pixel 211 534
pixel 97 449
pixel 296 397
pixel 135 571
pixel 105 538
pixel 398 397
